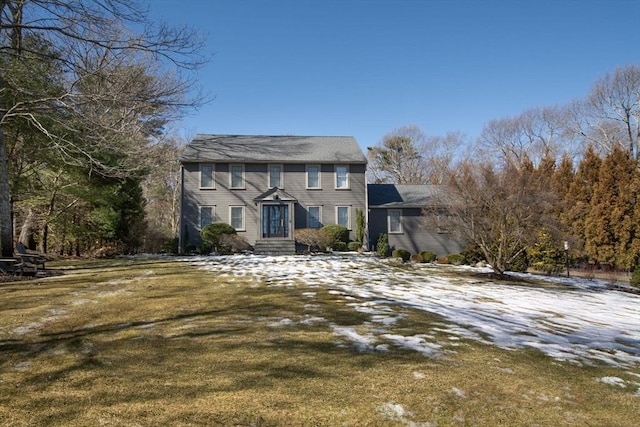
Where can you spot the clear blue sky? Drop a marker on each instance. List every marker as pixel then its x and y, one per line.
pixel 365 67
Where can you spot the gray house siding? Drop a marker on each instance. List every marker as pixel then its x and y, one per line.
pixel 416 236
pixel 377 225
pixel 415 233
pixel 222 197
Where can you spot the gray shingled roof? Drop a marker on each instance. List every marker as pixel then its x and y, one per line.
pixel 280 149
pixel 404 195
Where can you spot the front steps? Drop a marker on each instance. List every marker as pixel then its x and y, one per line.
pixel 274 247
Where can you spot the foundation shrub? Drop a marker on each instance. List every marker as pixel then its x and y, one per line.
pixel 315 239
pixel 354 246
pixel 416 259
pixel 456 259
pixel 340 246
pixel 340 233
pixel 401 253
pixel 382 245
pixel 428 256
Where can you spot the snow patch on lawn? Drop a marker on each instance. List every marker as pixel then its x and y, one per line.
pixel 53 314
pixel 580 322
pixel 614 381
pixel 363 342
pixel 396 412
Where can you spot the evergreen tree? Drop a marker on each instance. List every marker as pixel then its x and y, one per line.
pixel 580 193
pixel 547 253
pixel 609 225
pixel 563 178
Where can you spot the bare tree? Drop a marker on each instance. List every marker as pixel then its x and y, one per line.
pixel 616 98
pixel 161 190
pixel 441 154
pixel 610 114
pixel 532 135
pixel 498 209
pixel 110 91
pixel 407 155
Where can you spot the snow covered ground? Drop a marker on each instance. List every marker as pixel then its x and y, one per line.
pixel 581 321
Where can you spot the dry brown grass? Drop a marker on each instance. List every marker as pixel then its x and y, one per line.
pixel 147 343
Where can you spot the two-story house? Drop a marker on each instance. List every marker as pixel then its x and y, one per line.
pixel 268 186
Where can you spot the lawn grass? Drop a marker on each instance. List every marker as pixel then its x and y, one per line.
pixel 147 343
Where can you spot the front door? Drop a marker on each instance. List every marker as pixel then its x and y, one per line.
pixel 275 221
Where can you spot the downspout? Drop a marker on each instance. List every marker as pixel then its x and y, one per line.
pixel 181 221
pixel 365 239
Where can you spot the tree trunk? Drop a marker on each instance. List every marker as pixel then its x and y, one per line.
pixel 6 231
pixel 26 232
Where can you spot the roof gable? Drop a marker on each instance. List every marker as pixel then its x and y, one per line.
pixel 280 149
pixel 275 194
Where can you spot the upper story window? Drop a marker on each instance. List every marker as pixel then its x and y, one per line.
pixel 395 221
pixel 275 176
pixel 313 176
pixel 236 176
pixel 206 214
pixel 342 176
pixel 206 176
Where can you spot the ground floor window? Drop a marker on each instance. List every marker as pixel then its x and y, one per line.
pixel 313 220
pixel 395 221
pixel 237 217
pixel 343 216
pixel 206 215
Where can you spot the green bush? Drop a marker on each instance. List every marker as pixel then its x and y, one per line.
pixel 211 233
pixel 473 254
pixel 382 245
pixel 428 256
pixel 547 254
pixel 354 246
pixel 456 259
pixel 204 248
pixel 360 226
pixel 520 264
pixel 401 253
pixel 340 233
pixel 635 277
pixel 170 246
pixel 340 246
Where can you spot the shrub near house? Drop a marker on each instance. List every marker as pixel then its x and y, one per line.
pixel 212 234
pixel 314 238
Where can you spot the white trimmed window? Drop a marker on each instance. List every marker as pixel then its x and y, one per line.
pixel 342 177
pixel 236 213
pixel 207 176
pixel 206 215
pixel 343 216
pixel 236 176
pixel 313 176
pixel 275 176
pixel 394 218
pixel 313 217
